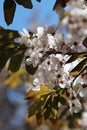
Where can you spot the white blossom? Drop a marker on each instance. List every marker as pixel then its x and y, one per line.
pixel 25 38
pixel 52 69
pixel 36 84
pixel 82 90
pixel 83 120
pixel 75 106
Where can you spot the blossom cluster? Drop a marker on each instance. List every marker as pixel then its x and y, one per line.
pixel 50 70
pixel 76 24
pixel 48 51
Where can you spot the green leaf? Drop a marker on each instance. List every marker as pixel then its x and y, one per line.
pixel 75 56
pixel 25 3
pixel 9 10
pixel 78 67
pixel 15 62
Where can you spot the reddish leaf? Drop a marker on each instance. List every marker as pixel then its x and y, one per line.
pixel 61 3
pixel 9 10
pixel 39 0
pixel 25 3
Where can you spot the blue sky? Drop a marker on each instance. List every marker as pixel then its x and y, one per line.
pixel 41 14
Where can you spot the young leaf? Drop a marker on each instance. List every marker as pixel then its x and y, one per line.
pixel 54 112
pixel 43 105
pixel 9 10
pixel 75 56
pixel 40 108
pixel 79 67
pixel 37 94
pixel 25 3
pixel 33 109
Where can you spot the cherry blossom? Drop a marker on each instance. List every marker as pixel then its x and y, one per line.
pixel 77 30
pixel 75 106
pixel 74 103
pixel 48 51
pixel 83 121
pixel 82 90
